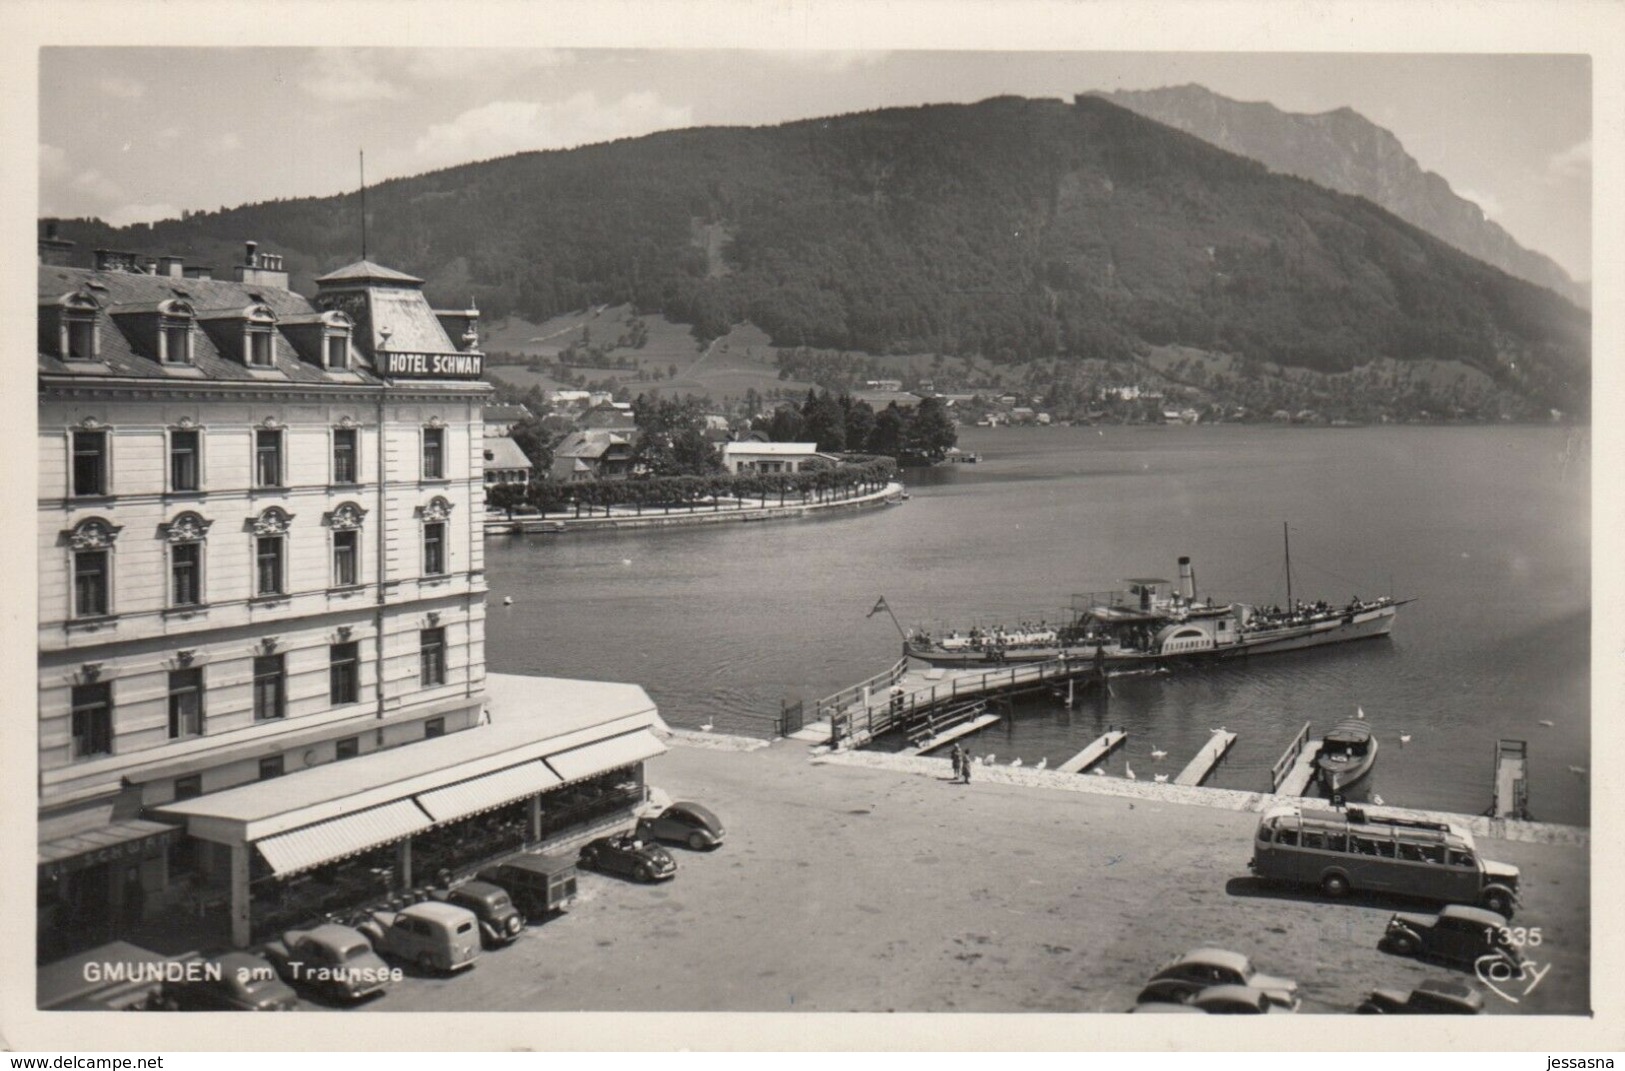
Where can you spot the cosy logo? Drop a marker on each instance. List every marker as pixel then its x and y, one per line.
pixel 1496 972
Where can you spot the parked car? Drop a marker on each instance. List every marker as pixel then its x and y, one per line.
pixel 500 922
pixel 1202 968
pixel 332 961
pixel 437 937
pixel 1458 935
pixel 630 856
pixel 1238 1000
pixel 1157 1006
pixel 684 823
pixel 1435 996
pixel 538 884
pixel 235 981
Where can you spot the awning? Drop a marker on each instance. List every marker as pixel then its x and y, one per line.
pixel 301 849
pixel 483 793
pixel 131 839
pixel 617 751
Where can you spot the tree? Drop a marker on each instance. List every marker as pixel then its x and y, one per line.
pixel 931 432
pixel 823 422
pixel 887 437
pixel 536 442
pixel 786 425
pixel 859 417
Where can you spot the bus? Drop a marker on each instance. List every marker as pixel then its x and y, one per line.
pixel 1354 849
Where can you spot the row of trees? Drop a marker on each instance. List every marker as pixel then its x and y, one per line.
pixel 666 493
pixel 845 423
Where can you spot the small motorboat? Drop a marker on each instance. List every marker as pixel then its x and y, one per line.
pixel 1347 755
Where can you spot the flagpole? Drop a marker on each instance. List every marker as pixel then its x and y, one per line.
pixel 882 604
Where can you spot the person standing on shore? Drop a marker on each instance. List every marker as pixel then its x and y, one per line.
pixel 965 763
pixel 958 756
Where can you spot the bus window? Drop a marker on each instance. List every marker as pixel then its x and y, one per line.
pixel 1286 836
pixel 1337 842
pixel 1459 858
pixel 1432 853
pixel 1363 845
pixel 1314 840
pixel 1411 853
pixel 1385 849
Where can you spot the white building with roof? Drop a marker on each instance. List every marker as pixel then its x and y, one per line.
pixel 260 536
pixel 748 456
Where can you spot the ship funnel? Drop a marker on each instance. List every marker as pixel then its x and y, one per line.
pixel 1187 580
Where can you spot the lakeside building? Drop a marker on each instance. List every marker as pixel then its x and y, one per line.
pixel 745 456
pixel 505 463
pixel 594 455
pixel 261 638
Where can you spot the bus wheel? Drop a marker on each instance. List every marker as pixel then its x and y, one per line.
pixel 1402 945
pixel 1499 902
pixel 1335 885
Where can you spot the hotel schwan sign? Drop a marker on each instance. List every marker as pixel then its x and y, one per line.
pixel 431 365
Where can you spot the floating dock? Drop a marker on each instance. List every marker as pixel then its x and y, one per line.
pixel 1197 770
pixel 948 736
pixel 1094 752
pixel 1511 780
pixel 1295 769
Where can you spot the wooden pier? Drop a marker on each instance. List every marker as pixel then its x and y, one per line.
pixel 949 726
pixel 1094 752
pixel 1295 769
pixel 1212 751
pixel 1511 780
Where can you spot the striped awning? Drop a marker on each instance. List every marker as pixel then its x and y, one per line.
pixel 313 845
pixel 617 751
pixel 492 790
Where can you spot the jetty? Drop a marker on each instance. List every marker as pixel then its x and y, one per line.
pixel 1295 769
pixel 1094 752
pixel 944 729
pixel 1198 768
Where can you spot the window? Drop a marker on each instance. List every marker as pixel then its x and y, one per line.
pixel 346 455
pixel 92 720
pixel 89 463
pixel 434 453
pixel 434 548
pixel 90 569
pixel 1286 836
pixel 189 787
pixel 176 342
pixel 345 673
pixel 270 767
pixel 433 654
pixel 268 553
pixel 81 340
pixel 185 703
pixel 348 748
pixel 184 449
pixel 186 574
pixel 338 353
pixel 434 727
pixel 259 347
pixel 346 558
pixel 268 457
pixel 270 687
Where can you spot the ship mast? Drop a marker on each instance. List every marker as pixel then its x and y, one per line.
pixel 1287 540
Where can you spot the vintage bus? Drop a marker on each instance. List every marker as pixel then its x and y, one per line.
pixel 1368 851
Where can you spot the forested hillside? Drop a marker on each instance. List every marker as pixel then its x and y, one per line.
pixel 1009 230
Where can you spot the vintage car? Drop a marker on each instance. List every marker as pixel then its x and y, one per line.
pixel 331 961
pixel 436 937
pixel 235 981
pixel 1202 968
pixel 1237 1000
pixel 1435 996
pixel 500 922
pixel 539 885
pixel 1459 935
pixel 630 856
pixel 684 823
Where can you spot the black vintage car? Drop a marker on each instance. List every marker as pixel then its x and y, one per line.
pixel 500 921
pixel 684 823
pixel 235 981
pixel 630 856
pixel 1459 935
pixel 1435 996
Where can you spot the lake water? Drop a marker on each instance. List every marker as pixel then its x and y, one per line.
pixel 1487 527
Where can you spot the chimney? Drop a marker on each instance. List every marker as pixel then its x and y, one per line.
pixel 151 266
pixel 261 269
pixel 53 250
pixel 1187 580
pixel 171 266
pixel 249 261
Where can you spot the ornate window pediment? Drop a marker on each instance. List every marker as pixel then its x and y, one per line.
pixel 348 422
pixel 345 517
pixel 188 527
pixel 438 509
pixel 92 533
pixel 271 423
pixel 435 422
pixel 273 521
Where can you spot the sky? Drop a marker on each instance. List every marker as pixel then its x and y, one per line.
pixel 136 134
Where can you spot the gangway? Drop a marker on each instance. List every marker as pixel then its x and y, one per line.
pixel 1197 770
pixel 1096 751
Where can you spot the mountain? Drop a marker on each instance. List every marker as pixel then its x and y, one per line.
pixel 1345 151
pixel 1012 230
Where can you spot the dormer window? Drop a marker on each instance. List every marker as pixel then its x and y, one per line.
pixel 175 333
pixel 78 336
pixel 338 352
pixel 259 331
